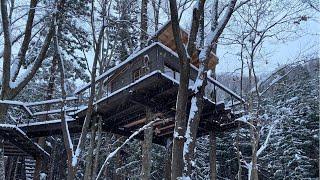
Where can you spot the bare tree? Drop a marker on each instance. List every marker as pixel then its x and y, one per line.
pixel 12 81
pixel 261 21
pixel 156 11
pixel 182 98
pixel 200 83
pixel 74 156
pixel 144 23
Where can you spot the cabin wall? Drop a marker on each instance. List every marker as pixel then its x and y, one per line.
pixel 158 59
pixel 124 76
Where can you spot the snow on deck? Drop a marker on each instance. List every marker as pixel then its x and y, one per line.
pixel 167 77
pixel 44 122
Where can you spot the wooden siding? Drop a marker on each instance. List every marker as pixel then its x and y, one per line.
pixel 158 56
pixel 124 76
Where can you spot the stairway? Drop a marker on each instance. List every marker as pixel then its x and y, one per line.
pixel 30 165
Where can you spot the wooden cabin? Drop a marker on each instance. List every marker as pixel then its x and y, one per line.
pixel 160 54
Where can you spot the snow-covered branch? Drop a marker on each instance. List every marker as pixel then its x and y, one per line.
pixel 265 144
pixel 112 154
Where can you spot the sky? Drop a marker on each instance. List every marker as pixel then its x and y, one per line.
pixel 278 53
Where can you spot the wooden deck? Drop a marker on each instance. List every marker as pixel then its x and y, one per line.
pixel 123 111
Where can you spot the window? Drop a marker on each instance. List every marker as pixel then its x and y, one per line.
pixel 146 61
pixel 137 74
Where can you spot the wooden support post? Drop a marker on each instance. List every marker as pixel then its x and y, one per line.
pixel 167 168
pixel 212 155
pixel 10 163
pixel 53 160
pixel 23 168
pixel 2 158
pixel 37 169
pixel 39 163
pixel 146 147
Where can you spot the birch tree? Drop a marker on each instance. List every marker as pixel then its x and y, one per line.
pixel 73 156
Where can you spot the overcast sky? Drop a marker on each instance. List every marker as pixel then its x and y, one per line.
pixel 278 53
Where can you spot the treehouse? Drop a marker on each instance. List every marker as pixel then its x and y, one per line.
pixel 146 82
pixel 150 79
pixel 147 79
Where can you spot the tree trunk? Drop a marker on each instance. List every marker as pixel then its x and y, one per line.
pixel 49 95
pixel 144 23
pixel 10 166
pixel 2 161
pixel 254 141
pixel 3 112
pixel 156 10
pixel 89 158
pixel 53 161
pixel 200 83
pixel 16 168
pixel 3 115
pixel 97 151
pixel 37 170
pixel 119 163
pixel 213 155
pixel 192 129
pixel 182 97
pixel 167 169
pixel 238 153
pixel 212 135
pixel 146 147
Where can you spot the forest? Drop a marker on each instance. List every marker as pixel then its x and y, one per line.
pixel 159 89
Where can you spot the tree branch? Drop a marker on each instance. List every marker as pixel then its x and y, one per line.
pixel 25 43
pixel 7 49
pixel 21 82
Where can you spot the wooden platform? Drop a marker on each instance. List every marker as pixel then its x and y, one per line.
pixel 17 143
pixel 123 111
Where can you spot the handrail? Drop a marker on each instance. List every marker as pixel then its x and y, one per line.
pixel 51 101
pixel 17 103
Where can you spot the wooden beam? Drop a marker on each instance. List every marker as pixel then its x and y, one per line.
pixel 134 123
pixel 158 130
